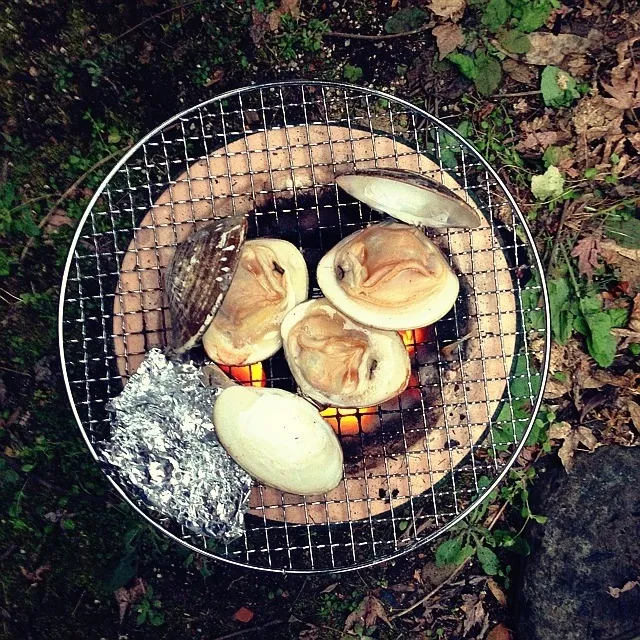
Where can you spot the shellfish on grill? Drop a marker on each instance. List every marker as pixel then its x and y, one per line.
pixel 388 276
pixel 271 278
pixel 199 276
pixel 278 438
pixel 410 197
pixel 336 361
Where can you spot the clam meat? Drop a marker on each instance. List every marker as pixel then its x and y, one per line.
pixel 199 276
pixel 409 196
pixel 271 279
pixel 338 362
pixel 388 276
pixel 278 438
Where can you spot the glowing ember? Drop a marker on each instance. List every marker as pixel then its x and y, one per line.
pixel 251 375
pixel 345 422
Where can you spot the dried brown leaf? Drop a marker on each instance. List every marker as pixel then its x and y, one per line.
pixel 474 612
pixel 368 612
pixel 634 318
pixel 634 412
pixel 519 72
pixel 292 7
pixel 559 50
pixel 587 251
pixel 615 592
pixel 58 219
pixel 497 592
pixel 624 87
pixel 243 614
pixel 126 597
pixel 594 118
pixel 330 588
pixel 572 437
pixel 499 633
pixel 540 140
pixel 448 9
pixel 448 38
pixel 35 576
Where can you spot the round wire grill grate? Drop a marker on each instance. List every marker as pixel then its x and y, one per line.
pixel 414 466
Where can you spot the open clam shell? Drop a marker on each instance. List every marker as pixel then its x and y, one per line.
pixel 198 277
pixel 410 197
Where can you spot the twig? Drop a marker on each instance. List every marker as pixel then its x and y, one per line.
pixel 237 634
pixel 456 571
pixel 11 548
pixel 517 94
pixel 556 240
pixel 124 34
pixel 381 36
pixel 67 193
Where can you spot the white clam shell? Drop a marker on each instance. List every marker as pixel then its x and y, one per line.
pixel 278 438
pixel 409 196
pixel 338 362
pixel 389 276
pixel 246 328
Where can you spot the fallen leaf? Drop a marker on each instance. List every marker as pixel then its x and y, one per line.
pixel 499 633
pixel 519 72
pixel 58 219
pixel 448 38
pixel 291 7
pixel 540 140
pixel 624 87
pixel 126 597
pixel 497 592
pixel 449 9
pixel 587 250
pixel 615 592
pixel 330 588
pixel 243 615
pixel 634 412
pixel 572 438
pixel 549 185
pixel 368 612
pixel 594 118
pixel 634 318
pixel 557 50
pixel 258 27
pixel 474 612
pixel 216 76
pixel 35 576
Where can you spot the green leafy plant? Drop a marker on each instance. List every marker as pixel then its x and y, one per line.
pixel 559 89
pixel 407 19
pixel 351 73
pixel 473 537
pixel 149 609
pixel 571 311
pixel 483 69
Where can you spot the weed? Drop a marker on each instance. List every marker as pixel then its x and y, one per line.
pixel 351 73
pixel 149 609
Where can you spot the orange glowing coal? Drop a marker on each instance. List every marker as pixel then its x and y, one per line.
pixel 252 375
pixel 345 422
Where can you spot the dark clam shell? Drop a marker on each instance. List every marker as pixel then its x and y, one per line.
pixel 199 276
pixel 397 193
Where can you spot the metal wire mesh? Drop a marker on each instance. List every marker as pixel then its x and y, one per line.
pixel 417 464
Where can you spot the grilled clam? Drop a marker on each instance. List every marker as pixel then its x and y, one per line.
pixel 198 277
pixel 388 276
pixel 278 438
pixel 271 279
pixel 338 362
pixel 410 197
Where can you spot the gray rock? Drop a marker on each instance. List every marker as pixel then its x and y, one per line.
pixel 590 543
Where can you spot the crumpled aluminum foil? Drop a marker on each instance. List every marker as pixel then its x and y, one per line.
pixel 163 443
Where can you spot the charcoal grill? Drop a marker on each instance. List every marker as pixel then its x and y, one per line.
pixel 415 466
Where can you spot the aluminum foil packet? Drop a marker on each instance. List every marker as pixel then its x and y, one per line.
pixel 163 443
